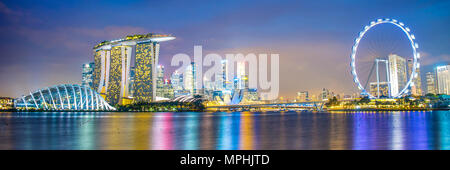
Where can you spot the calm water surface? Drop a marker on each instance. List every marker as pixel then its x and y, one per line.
pixel 232 130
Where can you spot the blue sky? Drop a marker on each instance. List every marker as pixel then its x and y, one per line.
pixel 45 42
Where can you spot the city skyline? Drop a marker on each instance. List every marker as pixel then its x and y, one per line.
pixel 45 54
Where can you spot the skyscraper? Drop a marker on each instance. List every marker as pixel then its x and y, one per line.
pixel 86 74
pixel 221 78
pixel 416 88
pixel 189 79
pixel 240 75
pixel 160 80
pixel 397 73
pixel 177 81
pixel 443 79
pixel 114 60
pixel 431 83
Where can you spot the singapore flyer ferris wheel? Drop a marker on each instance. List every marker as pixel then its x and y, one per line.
pixel 387 76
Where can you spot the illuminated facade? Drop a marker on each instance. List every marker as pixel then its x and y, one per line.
pixel 63 97
pixel 6 103
pixel 384 89
pixel 221 78
pixel 397 73
pixel 160 83
pixel 443 79
pixel 240 76
pixel 416 88
pixel 431 83
pixel 177 81
pixel 86 74
pixel 189 78
pixel 125 69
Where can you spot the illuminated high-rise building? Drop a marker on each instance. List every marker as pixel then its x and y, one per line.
pixel 397 73
pixel 86 74
pixel 160 82
pixel 177 81
pixel 431 83
pixel 189 78
pixel 443 79
pixel 240 75
pixel 221 78
pixel 114 61
pixel 416 88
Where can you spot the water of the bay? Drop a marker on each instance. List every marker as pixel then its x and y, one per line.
pixel 226 130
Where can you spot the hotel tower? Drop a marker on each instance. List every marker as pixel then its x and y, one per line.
pixel 114 62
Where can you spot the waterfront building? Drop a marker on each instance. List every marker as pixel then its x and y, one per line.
pixel 240 75
pixel 431 83
pixel 86 74
pixel 397 73
pixel 443 79
pixel 221 78
pixel 189 78
pixel 166 90
pixel 302 96
pixel 114 60
pixel 160 76
pixel 6 103
pixel 383 86
pixel 160 83
pixel 63 97
pixel 177 80
pixel 416 88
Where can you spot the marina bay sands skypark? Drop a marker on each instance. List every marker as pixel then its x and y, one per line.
pixel 125 69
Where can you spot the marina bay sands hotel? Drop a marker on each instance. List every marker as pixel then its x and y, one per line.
pixel 127 63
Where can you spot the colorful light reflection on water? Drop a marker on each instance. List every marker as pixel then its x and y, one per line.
pixel 226 131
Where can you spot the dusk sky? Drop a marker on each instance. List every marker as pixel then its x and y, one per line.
pixel 44 43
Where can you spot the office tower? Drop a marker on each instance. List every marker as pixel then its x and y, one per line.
pixel 195 82
pixel 160 81
pixel 416 88
pixel 302 96
pixel 177 81
pixel 240 75
pixel 86 74
pixel 431 83
pixel 189 79
pixel 166 90
pixel 397 73
pixel 383 86
pixel 160 76
pixel 220 79
pixel 443 79
pixel 114 60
